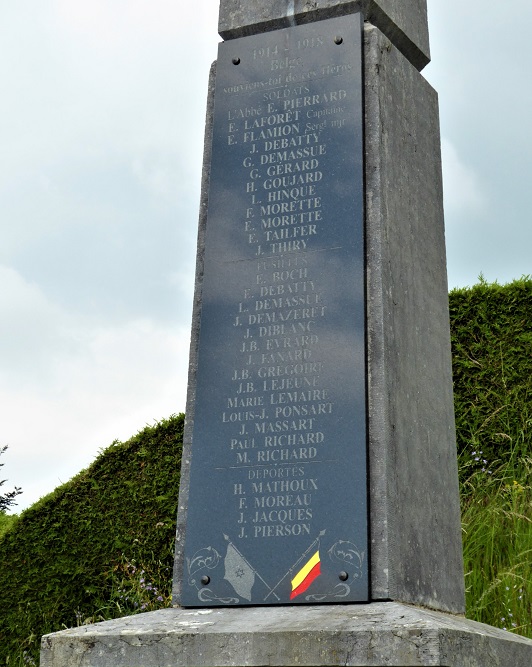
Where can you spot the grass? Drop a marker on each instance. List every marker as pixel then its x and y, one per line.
pixel 496 503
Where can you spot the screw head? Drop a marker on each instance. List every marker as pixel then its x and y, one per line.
pixel 338 40
pixel 205 580
pixel 343 576
pixel 236 61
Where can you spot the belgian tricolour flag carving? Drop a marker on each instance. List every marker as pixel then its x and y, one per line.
pixel 306 575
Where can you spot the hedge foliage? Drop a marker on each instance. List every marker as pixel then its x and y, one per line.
pixel 491 334
pixel 87 550
pixel 6 521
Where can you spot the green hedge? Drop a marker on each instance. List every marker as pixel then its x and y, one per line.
pixel 491 334
pixel 6 522
pixel 97 547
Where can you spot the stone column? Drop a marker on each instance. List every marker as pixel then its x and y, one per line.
pixel 414 502
pixel 414 512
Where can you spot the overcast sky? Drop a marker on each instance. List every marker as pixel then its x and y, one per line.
pixel 101 132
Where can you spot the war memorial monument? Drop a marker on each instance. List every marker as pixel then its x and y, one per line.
pixel 319 518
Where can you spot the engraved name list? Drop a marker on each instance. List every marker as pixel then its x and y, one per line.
pixel 278 451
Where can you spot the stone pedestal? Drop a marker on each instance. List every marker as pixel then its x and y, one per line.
pixel 382 633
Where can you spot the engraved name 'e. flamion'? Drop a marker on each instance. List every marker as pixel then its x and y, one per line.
pixel 276 132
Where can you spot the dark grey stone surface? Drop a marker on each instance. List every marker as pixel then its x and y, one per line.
pixel 384 633
pixel 184 483
pixel 415 513
pixel 416 551
pixel 283 310
pixel 404 22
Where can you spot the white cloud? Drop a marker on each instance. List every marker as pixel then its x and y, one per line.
pixel 164 177
pixel 70 386
pixel 33 331
pixel 462 187
pixel 111 24
pixel 122 379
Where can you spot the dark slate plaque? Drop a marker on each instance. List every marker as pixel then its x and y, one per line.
pixel 277 510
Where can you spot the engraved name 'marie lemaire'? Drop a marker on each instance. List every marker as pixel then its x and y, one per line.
pixel 280 399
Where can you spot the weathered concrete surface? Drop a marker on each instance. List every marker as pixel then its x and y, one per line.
pixel 404 22
pixel 382 633
pixel 184 483
pixel 416 550
pixel 414 501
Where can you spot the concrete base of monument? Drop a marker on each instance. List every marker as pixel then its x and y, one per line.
pixel 380 633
